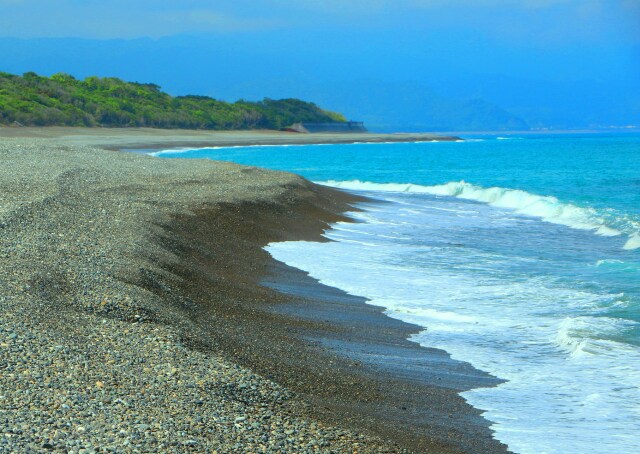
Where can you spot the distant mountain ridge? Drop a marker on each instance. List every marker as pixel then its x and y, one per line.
pixel 394 106
pixel 62 100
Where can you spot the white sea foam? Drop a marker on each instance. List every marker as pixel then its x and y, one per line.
pixel 548 208
pixel 177 151
pixel 572 383
pixel 633 242
pixel 606 262
pixel 170 152
pixel 587 335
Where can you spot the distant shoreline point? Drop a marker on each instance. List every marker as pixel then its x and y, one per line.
pixel 150 138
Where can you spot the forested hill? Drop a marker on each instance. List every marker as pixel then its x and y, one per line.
pixel 62 100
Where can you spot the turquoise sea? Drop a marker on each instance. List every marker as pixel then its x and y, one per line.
pixel 518 254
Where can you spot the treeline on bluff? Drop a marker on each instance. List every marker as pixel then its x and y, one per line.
pixel 62 100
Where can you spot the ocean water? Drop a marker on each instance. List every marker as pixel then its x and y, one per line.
pixel 517 254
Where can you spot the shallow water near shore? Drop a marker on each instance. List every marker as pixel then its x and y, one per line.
pixel 520 255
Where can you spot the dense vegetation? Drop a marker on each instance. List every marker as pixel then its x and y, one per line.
pixel 62 100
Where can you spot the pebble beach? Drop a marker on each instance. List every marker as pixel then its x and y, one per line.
pixel 131 316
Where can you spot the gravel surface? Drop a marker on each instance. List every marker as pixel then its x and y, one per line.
pixel 93 358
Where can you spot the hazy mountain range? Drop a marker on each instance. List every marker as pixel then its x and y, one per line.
pixel 384 91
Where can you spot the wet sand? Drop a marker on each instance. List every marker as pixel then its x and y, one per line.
pixel 417 400
pixel 163 261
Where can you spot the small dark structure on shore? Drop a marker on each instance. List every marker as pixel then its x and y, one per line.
pixel 337 127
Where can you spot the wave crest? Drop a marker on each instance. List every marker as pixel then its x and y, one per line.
pixel 548 208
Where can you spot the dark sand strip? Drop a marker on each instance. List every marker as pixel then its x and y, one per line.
pixel 351 363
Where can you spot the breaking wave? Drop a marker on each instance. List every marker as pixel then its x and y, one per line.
pixel 548 208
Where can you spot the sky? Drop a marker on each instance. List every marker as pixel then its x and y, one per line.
pixel 534 22
pixel 550 62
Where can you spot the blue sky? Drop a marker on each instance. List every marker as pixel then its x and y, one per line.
pixel 534 22
pixel 508 52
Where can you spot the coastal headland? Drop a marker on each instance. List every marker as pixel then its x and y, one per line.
pixel 140 311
